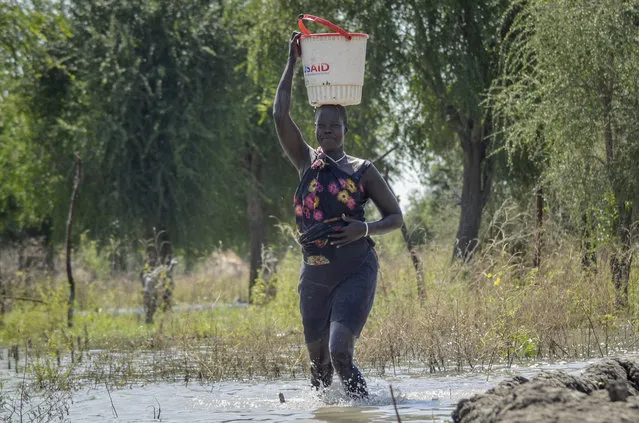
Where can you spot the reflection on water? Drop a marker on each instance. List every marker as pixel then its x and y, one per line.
pixel 423 398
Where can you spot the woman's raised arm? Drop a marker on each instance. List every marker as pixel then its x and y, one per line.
pixel 290 136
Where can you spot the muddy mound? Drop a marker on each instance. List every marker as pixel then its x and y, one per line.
pixel 606 391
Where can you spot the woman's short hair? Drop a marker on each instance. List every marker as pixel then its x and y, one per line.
pixel 340 109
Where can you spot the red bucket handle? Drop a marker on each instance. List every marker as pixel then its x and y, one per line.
pixel 321 21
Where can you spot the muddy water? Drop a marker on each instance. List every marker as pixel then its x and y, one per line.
pixel 420 398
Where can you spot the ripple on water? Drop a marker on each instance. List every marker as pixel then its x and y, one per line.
pixel 417 400
pixel 422 398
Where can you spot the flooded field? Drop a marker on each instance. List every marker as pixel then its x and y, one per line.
pixel 420 398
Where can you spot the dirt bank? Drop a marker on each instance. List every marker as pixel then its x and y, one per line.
pixel 606 391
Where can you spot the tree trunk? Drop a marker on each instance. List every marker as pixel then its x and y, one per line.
pixel 74 197
pixel 475 189
pixel 255 213
pixel 417 264
pixel 539 226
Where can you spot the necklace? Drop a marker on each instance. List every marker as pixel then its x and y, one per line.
pixel 338 160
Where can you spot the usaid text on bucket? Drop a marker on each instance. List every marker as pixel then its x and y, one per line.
pixel 318 68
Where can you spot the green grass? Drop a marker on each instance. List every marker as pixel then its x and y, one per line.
pixel 493 311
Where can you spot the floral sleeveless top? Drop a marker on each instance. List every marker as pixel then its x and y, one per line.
pixel 323 195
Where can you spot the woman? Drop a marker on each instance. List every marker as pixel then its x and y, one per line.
pixel 339 272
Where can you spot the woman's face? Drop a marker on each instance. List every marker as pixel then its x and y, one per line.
pixel 329 129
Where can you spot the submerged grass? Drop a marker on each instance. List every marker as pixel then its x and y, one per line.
pixel 495 310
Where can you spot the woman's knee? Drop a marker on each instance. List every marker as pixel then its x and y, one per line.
pixel 341 338
pixel 318 350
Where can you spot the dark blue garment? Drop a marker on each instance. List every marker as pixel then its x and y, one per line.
pixel 336 284
pixel 342 291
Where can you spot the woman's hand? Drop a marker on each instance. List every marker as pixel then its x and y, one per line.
pixel 295 50
pixel 356 229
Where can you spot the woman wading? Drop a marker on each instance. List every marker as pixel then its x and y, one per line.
pixel 339 272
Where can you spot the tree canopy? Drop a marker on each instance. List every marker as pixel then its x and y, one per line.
pixel 168 103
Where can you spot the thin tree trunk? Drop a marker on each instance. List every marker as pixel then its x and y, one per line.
pixel 477 181
pixel 539 226
pixel 417 264
pixel 255 213
pixel 74 197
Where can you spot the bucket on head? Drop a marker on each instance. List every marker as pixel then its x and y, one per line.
pixel 333 64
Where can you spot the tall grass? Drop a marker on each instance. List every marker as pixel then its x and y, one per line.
pixel 494 310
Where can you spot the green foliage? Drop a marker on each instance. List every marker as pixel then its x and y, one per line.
pixel 45 322
pixel 168 102
pixel 25 183
pixel 433 214
pixel 25 179
pixel 91 259
pixel 525 343
pixel 567 101
pixel 157 151
pixel 145 92
pixel 449 49
pixel 479 314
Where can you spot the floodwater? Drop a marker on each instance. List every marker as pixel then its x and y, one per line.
pixel 419 397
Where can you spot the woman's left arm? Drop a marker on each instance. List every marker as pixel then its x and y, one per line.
pixel 381 194
pixel 378 191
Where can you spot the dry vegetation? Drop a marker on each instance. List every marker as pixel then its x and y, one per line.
pixel 495 310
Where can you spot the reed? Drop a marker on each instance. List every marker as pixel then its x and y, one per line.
pixel 496 310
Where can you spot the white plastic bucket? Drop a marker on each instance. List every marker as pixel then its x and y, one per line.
pixel 333 64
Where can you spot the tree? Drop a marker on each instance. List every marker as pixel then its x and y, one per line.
pixel 147 103
pixel 26 179
pixel 450 46
pixel 572 78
